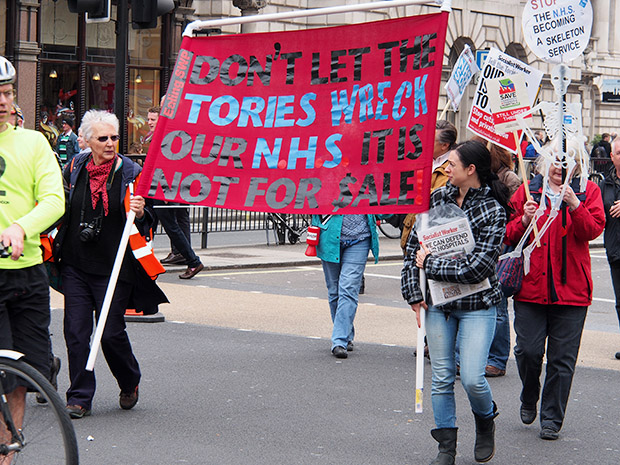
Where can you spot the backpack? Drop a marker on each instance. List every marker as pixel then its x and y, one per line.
pixel 599 152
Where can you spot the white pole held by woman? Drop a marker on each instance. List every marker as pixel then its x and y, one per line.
pixel 109 293
pixel 419 361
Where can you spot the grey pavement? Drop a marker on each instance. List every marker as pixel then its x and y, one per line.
pixel 263 255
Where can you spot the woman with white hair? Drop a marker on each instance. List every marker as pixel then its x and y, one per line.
pixel 550 311
pixel 85 248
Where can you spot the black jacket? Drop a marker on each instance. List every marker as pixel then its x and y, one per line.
pixel 610 190
pixel 146 294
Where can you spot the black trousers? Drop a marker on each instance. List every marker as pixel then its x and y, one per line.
pixel 25 314
pixel 559 328
pixel 182 216
pixel 615 280
pixel 84 295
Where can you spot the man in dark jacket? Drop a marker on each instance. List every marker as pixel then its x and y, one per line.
pixel 610 190
pixel 603 144
pixel 67 144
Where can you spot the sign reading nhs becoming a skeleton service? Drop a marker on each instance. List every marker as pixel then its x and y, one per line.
pixel 557 31
pixel 318 121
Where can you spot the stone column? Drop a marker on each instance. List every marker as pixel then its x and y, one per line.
pixel 600 26
pixel 182 15
pixel 27 52
pixel 248 8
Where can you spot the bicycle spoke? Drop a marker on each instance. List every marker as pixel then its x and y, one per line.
pixel 45 434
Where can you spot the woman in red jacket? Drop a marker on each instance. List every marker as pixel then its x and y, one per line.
pixel 548 310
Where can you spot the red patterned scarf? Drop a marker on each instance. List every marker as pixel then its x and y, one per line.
pixel 98 175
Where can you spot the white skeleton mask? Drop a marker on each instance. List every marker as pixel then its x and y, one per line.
pixel 560 79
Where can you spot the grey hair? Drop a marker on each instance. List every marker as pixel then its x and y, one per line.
pixel 94 117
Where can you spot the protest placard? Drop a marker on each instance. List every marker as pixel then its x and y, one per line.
pixel 508 98
pixel 557 31
pixel 499 64
pixel 330 120
pixel 450 240
pixel 464 69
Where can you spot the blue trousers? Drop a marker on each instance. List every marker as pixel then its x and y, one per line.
pixel 343 285
pixel 474 331
pixel 500 347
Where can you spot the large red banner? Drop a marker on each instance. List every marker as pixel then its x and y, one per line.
pixel 328 120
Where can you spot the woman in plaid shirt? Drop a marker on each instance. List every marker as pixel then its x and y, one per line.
pixel 483 198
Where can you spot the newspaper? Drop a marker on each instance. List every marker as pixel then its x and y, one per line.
pixel 450 240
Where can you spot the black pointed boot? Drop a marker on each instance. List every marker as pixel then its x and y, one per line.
pixel 485 436
pixel 446 437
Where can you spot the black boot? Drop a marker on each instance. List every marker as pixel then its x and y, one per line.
pixel 446 437
pixel 485 437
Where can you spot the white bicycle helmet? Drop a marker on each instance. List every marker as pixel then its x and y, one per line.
pixel 7 71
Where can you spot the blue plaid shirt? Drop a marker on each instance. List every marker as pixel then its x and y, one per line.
pixel 487 220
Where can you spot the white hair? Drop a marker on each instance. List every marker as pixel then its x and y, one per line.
pixel 94 117
pixel 574 149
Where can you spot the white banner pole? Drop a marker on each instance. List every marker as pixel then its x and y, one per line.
pixel 419 359
pixel 197 25
pixel 109 293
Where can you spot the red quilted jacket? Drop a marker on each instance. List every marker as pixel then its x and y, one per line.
pixel 543 284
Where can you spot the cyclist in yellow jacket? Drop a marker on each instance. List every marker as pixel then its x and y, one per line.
pixel 31 200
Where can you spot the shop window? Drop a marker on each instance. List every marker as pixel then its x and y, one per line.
pixel 143 94
pixel 100 85
pixel 59 36
pixel 145 46
pixel 59 96
pixel 101 40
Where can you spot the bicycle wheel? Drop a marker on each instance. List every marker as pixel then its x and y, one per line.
pixel 389 231
pixel 47 433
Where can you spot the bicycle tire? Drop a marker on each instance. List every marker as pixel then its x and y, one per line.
pixel 293 237
pixel 391 232
pixel 48 434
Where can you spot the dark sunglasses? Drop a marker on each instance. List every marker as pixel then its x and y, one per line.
pixel 105 138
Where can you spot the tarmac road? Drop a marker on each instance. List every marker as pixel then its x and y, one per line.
pixel 245 377
pixel 213 395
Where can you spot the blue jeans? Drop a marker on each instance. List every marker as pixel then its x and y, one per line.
pixel 474 332
pixel 343 285
pixel 500 347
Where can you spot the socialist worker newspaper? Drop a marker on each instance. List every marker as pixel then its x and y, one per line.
pixel 451 240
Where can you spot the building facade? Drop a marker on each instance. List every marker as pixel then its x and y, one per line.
pixel 66 65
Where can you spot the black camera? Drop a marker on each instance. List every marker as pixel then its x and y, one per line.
pixel 89 232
